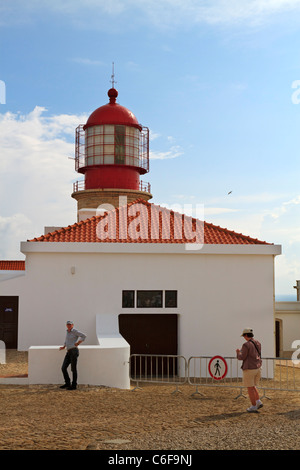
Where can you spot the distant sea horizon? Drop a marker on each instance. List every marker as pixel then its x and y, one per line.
pixel 285 298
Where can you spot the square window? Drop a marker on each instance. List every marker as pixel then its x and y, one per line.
pixel 149 298
pixel 128 299
pixel 171 299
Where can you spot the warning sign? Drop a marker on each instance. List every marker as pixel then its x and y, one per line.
pixel 217 367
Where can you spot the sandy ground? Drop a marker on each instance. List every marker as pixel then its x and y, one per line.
pixel 152 417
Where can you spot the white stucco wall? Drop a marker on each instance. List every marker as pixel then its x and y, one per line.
pixel 289 314
pixel 221 290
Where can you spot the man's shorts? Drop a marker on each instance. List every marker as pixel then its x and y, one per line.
pixel 251 377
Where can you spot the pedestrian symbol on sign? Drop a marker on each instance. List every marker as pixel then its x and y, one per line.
pixel 217 368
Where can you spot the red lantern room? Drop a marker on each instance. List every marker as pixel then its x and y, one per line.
pixel 112 151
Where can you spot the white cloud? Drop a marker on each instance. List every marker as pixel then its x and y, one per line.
pixel 163 13
pixel 13 229
pixel 218 210
pixel 287 270
pixel 248 223
pixel 253 11
pixel 87 61
pixel 36 175
pixel 174 152
pixel 295 200
pixel 153 135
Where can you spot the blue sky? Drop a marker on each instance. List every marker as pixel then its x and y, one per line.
pixel 216 82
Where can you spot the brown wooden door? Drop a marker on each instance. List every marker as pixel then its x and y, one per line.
pixel 9 321
pixel 153 334
pixel 277 338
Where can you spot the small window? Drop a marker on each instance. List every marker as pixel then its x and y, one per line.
pixel 171 299
pixel 149 299
pixel 128 298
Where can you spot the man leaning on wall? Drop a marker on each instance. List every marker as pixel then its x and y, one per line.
pixel 72 341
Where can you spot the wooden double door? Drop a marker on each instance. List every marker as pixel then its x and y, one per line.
pixel 151 334
pixel 9 306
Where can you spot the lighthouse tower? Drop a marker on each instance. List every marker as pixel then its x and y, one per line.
pixel 112 152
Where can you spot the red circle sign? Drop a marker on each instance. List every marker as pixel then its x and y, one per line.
pixel 217 367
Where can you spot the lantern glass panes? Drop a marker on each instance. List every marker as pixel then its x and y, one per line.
pixel 109 147
pixel 109 144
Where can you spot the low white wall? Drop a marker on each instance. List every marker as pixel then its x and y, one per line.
pixel 96 366
pixel 104 364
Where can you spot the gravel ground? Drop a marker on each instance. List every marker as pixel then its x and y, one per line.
pixel 151 418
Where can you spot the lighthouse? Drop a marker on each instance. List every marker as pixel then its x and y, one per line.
pixel 112 152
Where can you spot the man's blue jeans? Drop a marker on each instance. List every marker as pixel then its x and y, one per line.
pixel 70 358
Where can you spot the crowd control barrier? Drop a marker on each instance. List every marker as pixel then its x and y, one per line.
pixel 163 369
pixel 277 374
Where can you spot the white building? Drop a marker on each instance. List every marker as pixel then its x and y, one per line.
pixel 139 275
pixel 214 290
pixel 287 326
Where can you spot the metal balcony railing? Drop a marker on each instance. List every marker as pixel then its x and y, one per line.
pixel 80 186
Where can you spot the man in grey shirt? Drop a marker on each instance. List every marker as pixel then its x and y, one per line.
pixel 72 341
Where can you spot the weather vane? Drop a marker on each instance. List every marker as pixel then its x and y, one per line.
pixel 113 75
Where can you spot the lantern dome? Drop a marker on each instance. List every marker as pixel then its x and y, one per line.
pixel 112 113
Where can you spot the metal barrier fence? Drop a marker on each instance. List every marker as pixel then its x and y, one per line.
pixel 163 369
pixel 278 374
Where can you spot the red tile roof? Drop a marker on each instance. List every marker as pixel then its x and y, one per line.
pixel 144 222
pixel 12 265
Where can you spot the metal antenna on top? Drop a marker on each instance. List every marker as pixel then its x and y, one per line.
pixel 113 75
